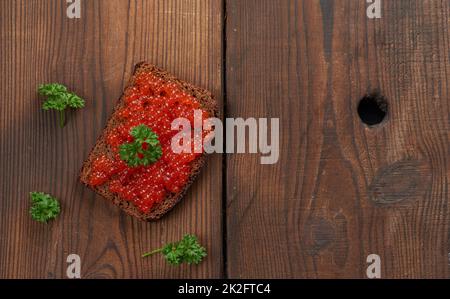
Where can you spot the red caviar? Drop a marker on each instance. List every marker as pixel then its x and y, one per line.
pixel 154 103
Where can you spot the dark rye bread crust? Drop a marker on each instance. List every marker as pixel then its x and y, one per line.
pixel 208 103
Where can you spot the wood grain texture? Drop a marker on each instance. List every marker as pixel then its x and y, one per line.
pixel 95 56
pixel 340 191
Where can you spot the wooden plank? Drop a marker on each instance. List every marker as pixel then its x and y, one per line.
pixel 94 56
pixel 341 190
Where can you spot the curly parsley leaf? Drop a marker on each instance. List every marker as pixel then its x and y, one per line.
pixel 44 207
pixel 59 98
pixel 74 101
pixel 188 250
pixel 53 89
pixel 144 150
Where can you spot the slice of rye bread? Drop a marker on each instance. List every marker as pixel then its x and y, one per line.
pixel 207 102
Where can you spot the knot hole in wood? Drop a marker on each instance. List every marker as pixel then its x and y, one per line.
pixel 373 109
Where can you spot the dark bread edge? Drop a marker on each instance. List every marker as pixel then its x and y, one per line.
pixel 208 103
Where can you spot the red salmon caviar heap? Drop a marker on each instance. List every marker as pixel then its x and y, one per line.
pixel 153 102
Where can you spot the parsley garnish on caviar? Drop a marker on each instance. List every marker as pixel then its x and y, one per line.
pixel 144 150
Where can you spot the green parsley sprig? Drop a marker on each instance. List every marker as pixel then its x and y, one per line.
pixel 44 207
pixel 59 98
pixel 188 250
pixel 144 150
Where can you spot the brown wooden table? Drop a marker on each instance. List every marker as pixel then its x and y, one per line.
pixel 340 191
